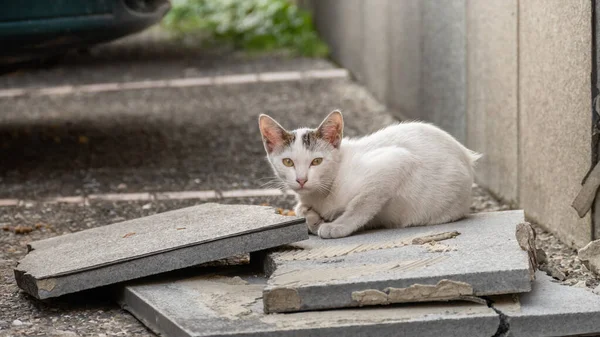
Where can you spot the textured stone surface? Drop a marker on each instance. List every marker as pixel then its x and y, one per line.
pixel 230 305
pixel 151 245
pixel 492 94
pixel 555 113
pixel 383 266
pixel 551 309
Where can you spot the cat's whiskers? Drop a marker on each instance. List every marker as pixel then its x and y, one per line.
pixel 324 187
pixel 275 182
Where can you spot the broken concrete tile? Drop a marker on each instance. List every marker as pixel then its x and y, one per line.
pixel 385 266
pixel 590 256
pixel 151 245
pixel 551 309
pixel 229 304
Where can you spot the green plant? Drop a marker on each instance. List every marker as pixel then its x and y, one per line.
pixel 259 25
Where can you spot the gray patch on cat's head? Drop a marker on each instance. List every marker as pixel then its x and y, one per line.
pixel 288 138
pixel 310 140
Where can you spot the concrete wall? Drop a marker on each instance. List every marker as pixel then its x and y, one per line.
pixel 410 53
pixel 492 79
pixel 443 59
pixel 555 112
pixel 509 78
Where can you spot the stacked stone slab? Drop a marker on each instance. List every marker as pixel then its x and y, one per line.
pixel 424 281
pixel 477 256
pixel 229 304
pixel 151 245
pixel 450 279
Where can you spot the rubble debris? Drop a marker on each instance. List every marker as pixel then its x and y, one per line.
pixel 526 239
pixel 590 256
pixel 435 237
pixel 444 290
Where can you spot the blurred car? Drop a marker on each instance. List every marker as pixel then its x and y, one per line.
pixel 37 29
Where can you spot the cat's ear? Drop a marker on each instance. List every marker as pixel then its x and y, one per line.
pixel 331 128
pixel 273 134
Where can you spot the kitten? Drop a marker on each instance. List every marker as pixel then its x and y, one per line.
pixel 407 174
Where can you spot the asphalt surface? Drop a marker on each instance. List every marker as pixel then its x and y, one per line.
pixel 157 140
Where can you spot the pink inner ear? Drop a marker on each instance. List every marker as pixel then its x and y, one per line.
pixel 331 132
pixel 272 139
pixel 272 134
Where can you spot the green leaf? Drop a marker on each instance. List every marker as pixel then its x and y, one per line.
pixel 254 25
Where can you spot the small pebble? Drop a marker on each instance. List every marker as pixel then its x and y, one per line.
pixel 17 322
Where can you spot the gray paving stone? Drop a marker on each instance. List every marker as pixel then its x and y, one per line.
pixel 229 304
pixel 552 309
pixel 151 245
pixel 383 267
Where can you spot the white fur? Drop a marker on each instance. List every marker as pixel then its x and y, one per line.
pixel 407 174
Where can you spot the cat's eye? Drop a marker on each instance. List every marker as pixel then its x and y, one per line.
pixel 288 162
pixel 316 161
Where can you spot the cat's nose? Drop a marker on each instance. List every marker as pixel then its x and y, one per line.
pixel 301 181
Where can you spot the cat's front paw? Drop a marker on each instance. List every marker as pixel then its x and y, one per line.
pixel 301 210
pixel 313 221
pixel 334 231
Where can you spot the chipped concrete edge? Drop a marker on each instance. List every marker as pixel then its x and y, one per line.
pixel 281 300
pixel 27 283
pixel 40 289
pixel 435 237
pixel 525 236
pixel 444 290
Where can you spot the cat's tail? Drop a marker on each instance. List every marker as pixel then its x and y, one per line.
pixel 474 157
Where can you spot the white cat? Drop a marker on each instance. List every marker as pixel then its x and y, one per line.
pixel 407 174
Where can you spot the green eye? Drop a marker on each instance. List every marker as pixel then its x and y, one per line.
pixel 316 161
pixel 288 162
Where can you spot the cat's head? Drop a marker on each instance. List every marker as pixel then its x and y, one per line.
pixel 305 160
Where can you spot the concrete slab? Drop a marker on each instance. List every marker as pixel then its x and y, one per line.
pixel 229 304
pixel 151 245
pixel 389 266
pixel 551 309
